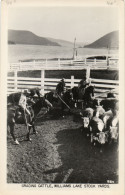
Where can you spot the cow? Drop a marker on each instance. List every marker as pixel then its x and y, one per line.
pixel 100 110
pixel 101 137
pixel 97 129
pixel 87 115
pixel 114 128
pixel 106 117
pixel 109 104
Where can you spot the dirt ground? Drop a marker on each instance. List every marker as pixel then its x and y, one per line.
pixel 59 153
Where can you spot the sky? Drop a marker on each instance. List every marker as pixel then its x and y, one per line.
pixel 87 24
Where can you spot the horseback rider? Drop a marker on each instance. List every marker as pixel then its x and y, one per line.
pixel 61 87
pixel 23 105
pixel 83 83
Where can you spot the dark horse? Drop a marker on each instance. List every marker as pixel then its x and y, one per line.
pixel 63 100
pixel 14 116
pixel 84 94
pixel 67 100
pixel 87 97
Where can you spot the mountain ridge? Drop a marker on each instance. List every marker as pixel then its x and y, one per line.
pixel 27 37
pixel 110 40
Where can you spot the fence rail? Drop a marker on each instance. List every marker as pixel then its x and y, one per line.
pixel 64 64
pixel 15 84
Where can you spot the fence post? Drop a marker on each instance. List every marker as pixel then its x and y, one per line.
pixel 46 63
pixel 94 61
pixel 72 81
pixel 59 62
pixel 42 81
pixel 20 65
pixel 88 72
pixel 15 80
pixel 108 62
pixel 34 62
pixel 85 60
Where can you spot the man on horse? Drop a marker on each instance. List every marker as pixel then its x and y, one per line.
pixel 83 83
pixel 19 101
pixel 61 87
pixel 23 106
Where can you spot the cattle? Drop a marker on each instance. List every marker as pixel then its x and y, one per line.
pixel 87 115
pixel 114 128
pixel 109 104
pixel 101 137
pixel 96 126
pixel 114 133
pixel 100 110
pixel 106 117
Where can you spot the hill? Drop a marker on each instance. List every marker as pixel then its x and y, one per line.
pixel 110 40
pixel 27 37
pixel 61 42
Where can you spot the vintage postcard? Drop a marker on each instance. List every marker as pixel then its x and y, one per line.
pixel 62 97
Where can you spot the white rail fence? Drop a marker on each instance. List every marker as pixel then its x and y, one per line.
pixel 15 84
pixel 65 64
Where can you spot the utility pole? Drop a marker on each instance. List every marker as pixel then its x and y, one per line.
pixel 108 57
pixel 74 49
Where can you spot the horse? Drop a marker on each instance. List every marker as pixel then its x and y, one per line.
pixel 67 98
pixel 84 94
pixel 51 97
pixel 14 116
pixel 87 96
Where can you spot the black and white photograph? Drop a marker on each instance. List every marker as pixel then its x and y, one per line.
pixel 63 106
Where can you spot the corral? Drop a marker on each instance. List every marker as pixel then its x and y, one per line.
pixel 60 152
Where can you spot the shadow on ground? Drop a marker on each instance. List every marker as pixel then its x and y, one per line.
pixel 82 162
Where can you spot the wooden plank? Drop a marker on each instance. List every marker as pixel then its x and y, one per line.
pixel 28 83
pixel 103 90
pixel 28 79
pixel 104 81
pixel 10 78
pixel 52 79
pixel 28 86
pixel 9 82
pixel 105 86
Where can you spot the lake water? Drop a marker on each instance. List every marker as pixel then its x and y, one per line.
pixel 27 52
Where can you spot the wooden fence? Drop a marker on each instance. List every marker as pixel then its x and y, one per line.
pixel 65 64
pixel 16 83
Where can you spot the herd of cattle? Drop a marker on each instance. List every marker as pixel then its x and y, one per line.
pixel 100 118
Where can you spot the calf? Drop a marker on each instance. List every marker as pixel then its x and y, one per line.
pixel 100 110
pixel 96 126
pixel 87 115
pixel 106 117
pixel 101 137
pixel 113 129
pixel 114 133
